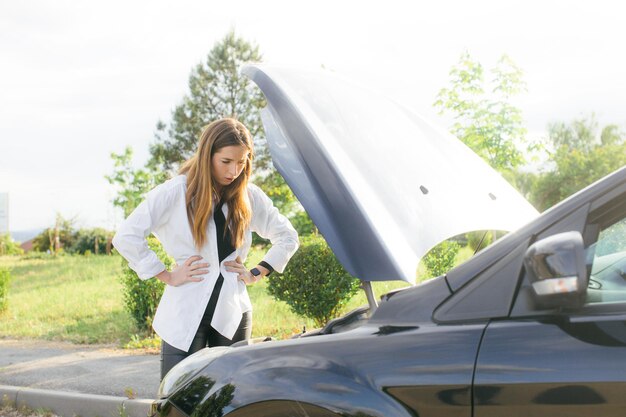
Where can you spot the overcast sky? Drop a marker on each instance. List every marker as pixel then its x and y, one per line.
pixel 82 79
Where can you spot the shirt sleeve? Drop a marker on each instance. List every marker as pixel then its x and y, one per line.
pixel 130 238
pixel 270 224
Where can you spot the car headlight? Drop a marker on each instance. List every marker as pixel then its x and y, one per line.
pixel 180 374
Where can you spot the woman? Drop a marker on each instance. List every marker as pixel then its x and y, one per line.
pixel 204 218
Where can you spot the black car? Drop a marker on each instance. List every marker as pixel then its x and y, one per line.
pixel 534 325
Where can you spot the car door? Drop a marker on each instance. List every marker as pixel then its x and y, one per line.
pixel 564 362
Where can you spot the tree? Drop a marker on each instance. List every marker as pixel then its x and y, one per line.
pixel 132 184
pixel 216 89
pixel 580 153
pixel 485 120
pixel 95 240
pixel 441 258
pixel 55 238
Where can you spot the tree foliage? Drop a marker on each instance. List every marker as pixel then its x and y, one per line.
pixel 132 184
pixel 8 246
pixel 56 238
pixel 217 89
pixel 580 153
pixel 95 241
pixel 440 259
pixel 141 297
pixel 314 283
pixel 484 118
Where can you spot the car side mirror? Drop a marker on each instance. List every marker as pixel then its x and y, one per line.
pixel 556 270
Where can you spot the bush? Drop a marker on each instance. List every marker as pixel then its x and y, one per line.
pixel 141 298
pixel 314 284
pixel 8 246
pixel 85 240
pixel 44 241
pixel 302 223
pixel 37 255
pixel 5 278
pixel 474 239
pixel 441 258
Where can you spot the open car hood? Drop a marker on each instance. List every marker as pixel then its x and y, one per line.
pixel 382 185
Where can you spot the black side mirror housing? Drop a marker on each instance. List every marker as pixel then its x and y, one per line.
pixel 557 272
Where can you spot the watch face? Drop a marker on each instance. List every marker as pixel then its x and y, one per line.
pixel 255 272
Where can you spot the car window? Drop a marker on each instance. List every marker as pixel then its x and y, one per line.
pixel 607 261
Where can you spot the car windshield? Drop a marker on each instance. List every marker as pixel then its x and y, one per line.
pixel 607 257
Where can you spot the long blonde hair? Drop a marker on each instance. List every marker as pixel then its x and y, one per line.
pixel 201 193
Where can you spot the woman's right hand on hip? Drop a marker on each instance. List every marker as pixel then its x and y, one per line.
pixel 187 272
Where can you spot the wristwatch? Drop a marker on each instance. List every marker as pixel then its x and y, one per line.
pixel 255 272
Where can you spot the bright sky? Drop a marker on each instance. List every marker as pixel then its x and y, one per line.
pixel 79 80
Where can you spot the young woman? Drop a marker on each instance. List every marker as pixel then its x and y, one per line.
pixel 204 218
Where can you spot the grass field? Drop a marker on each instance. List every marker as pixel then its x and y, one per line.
pixel 79 299
pixel 69 298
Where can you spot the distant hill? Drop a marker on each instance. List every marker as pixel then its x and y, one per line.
pixel 24 235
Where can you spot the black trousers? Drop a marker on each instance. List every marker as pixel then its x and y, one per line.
pixel 206 336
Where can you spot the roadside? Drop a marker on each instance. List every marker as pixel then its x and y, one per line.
pixel 87 369
pixel 69 380
pixel 10 411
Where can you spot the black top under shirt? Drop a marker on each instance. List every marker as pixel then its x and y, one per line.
pixel 224 248
pixel 224 242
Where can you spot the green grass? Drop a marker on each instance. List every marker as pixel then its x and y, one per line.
pixel 68 298
pixel 79 299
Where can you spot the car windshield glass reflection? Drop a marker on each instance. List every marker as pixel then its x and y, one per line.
pixel 607 282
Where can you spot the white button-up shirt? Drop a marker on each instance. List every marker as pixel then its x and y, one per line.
pixel 181 308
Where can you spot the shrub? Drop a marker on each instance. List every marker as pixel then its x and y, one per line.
pixel 8 246
pixel 44 241
pixel 441 258
pixel 474 239
pixel 5 278
pixel 85 240
pixel 302 223
pixel 141 297
pixel 314 283
pixel 36 255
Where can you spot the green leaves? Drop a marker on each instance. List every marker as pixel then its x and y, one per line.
pixel 440 259
pixel 5 280
pixel 484 118
pixel 8 246
pixel 314 284
pixel 217 89
pixel 132 184
pixel 141 297
pixel 580 154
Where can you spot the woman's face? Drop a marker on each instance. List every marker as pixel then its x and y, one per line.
pixel 227 164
